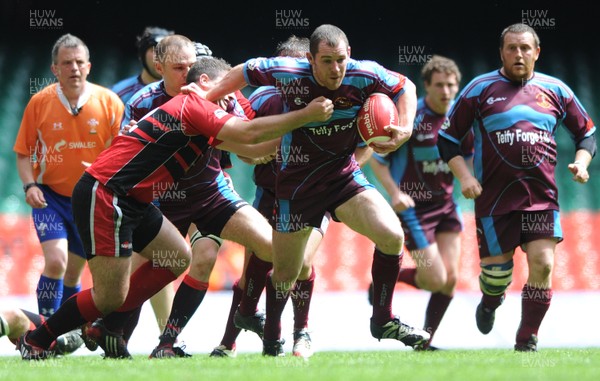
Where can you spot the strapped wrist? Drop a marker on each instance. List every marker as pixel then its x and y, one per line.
pixel 27 186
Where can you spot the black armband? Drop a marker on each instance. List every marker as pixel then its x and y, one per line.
pixel 588 144
pixel 448 149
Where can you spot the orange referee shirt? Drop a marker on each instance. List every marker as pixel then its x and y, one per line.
pixel 61 144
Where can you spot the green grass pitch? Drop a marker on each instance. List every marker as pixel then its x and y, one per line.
pixel 479 365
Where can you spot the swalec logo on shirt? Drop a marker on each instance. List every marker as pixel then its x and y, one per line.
pixel 220 113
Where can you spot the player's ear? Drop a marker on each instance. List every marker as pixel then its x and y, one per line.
pixel 54 70
pixel 203 81
pixel 310 58
pixel 158 67
pixel 348 51
pixel 537 54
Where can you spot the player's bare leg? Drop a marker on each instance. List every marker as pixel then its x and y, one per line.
pixel 430 272
pixel 161 305
pixel 450 249
pixel 169 256
pixel 72 277
pixel 250 229
pixel 368 213
pixel 13 323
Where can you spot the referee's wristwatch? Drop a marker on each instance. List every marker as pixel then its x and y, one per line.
pixel 28 185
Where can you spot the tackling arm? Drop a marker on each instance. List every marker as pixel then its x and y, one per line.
pixel 252 153
pixel 262 129
pixel 232 81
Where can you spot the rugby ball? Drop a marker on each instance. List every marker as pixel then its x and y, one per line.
pixel 377 112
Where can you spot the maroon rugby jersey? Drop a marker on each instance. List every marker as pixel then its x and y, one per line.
pixel 417 167
pixel 266 100
pixel 515 149
pixel 317 155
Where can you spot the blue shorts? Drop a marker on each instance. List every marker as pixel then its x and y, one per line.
pixel 56 221
pixel 423 222
pixel 502 234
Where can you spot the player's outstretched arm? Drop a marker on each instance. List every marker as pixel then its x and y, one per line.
pixel 258 130
pixel 257 160
pixel 253 154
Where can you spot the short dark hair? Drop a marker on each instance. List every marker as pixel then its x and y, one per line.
pixel 519 28
pixel 331 34
pixel 68 41
pixel 440 64
pixel 211 66
pixel 293 47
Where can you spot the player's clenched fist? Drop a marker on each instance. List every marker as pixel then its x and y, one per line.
pixel 320 109
pixel 470 187
pixel 580 172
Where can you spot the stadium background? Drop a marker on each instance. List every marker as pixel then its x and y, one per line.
pixel 400 36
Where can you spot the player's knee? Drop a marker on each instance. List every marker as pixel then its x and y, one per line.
pixel 109 300
pixel 206 242
pixel 306 270
pixel 203 261
pixel 182 262
pixel 451 281
pixel 431 281
pixel 55 266
pixel 285 277
pixel 261 244
pixel 437 283
pixel 13 323
pixel 20 325
pixel 541 268
pixel 495 278
pixel 391 242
